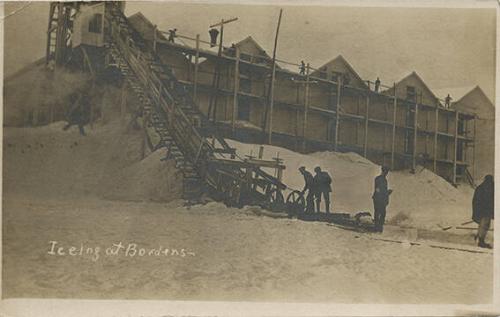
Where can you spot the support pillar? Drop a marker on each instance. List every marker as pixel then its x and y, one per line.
pixel 436 131
pixel 393 142
pixel 337 115
pixel 367 110
pixel 306 109
pixel 236 86
pixel 196 61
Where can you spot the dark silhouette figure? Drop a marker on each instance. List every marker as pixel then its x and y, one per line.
pixel 483 208
pixel 213 36
pixel 172 35
pixel 323 187
pixel 302 68
pixel 447 101
pixel 377 85
pixel 309 186
pixel 79 112
pixel 381 199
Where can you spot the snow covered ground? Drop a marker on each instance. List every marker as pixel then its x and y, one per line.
pixel 237 256
pixel 93 192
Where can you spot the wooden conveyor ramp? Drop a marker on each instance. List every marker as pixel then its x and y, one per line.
pixel 207 162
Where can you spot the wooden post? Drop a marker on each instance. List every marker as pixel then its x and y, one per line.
pixel 415 133
pixel 123 102
pixel 337 115
pixel 273 77
pixel 236 88
pixel 306 108
pixel 49 31
pixel 455 148
pixel 394 127
pixel 436 131
pixel 367 109
pixel 196 61
pixel 474 149
pixel 144 139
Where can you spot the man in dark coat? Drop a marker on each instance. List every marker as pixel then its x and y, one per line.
pixel 323 185
pixel 483 208
pixel 309 186
pixel 79 111
pixel 380 199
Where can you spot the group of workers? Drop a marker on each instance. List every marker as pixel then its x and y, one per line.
pixel 321 186
pixel 317 186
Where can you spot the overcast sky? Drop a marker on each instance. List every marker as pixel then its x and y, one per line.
pixel 447 47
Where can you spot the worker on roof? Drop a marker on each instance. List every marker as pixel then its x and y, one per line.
pixel 447 101
pixel 309 186
pixel 213 36
pixel 483 209
pixel 171 35
pixel 381 199
pixel 377 84
pixel 323 187
pixel 302 68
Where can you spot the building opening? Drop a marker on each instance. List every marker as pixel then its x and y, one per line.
pixel 95 24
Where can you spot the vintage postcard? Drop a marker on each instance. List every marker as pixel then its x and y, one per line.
pixel 278 158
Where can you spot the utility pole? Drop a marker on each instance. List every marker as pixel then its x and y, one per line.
pixel 273 76
pixel 307 82
pixel 216 77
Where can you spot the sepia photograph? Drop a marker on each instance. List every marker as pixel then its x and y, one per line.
pixel 277 152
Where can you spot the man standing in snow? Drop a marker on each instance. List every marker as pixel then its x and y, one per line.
pixel 381 199
pixel 309 186
pixel 323 186
pixel 79 112
pixel 483 208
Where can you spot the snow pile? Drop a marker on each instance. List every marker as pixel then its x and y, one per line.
pixel 148 179
pixel 46 161
pixel 422 200
pixel 49 162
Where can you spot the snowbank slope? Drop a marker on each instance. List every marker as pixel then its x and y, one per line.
pixel 423 199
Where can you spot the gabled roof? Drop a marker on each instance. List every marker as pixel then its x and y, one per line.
pixel 341 59
pixel 480 91
pixel 137 19
pixel 250 40
pixel 456 93
pixel 414 74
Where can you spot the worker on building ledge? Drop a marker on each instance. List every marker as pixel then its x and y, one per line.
pixel 79 110
pixel 172 35
pixel 381 199
pixel 309 186
pixel 213 36
pixel 322 183
pixel 483 209
pixel 447 101
pixel 302 68
pixel 377 84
